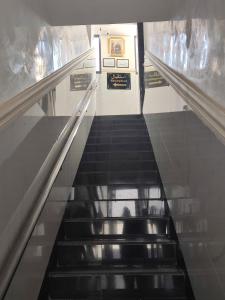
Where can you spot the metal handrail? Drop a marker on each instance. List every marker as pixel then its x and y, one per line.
pixel 16 106
pixel 43 182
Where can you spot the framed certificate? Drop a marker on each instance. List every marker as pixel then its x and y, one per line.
pixel 109 62
pixel 122 63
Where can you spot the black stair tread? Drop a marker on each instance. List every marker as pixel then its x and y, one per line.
pixel 118 133
pixel 123 185
pixel 128 297
pixel 127 241
pixel 119 117
pixel 109 166
pixel 118 140
pixel 99 123
pixel 109 191
pixel 91 163
pixel 118 177
pixel 82 200
pixel 124 178
pixel 133 270
pixel 117 156
pixel 118 172
pixel 91 219
pixel 117 126
pixel 150 236
pixel 119 147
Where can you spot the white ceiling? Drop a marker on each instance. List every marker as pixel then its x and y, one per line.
pixel 75 12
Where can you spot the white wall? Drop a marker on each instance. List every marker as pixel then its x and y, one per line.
pixel 31 49
pixel 162 99
pixel 118 102
pixel 193 45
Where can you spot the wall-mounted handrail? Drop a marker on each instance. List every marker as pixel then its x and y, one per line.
pixel 46 176
pixel 45 182
pixel 208 110
pixel 16 106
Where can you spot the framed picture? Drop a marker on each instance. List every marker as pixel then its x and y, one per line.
pixel 90 63
pixel 122 63
pixel 116 46
pixel 109 62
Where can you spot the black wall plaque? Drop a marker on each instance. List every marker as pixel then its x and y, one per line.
pixel 153 79
pixel 80 82
pixel 118 81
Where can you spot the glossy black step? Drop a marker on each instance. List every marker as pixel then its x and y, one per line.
pixel 118 140
pixel 116 252
pixel 126 297
pixel 117 166
pixel 124 281
pixel 85 228
pixel 118 192
pixel 133 121
pixel 118 133
pixel 135 270
pixel 116 118
pixel 119 147
pixel 118 156
pixel 119 126
pixel 115 208
pixel 119 177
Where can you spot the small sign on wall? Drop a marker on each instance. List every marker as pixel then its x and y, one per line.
pixel 109 62
pixel 80 82
pixel 122 63
pixel 153 80
pixel 118 81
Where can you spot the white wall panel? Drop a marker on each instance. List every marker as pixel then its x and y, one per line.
pixel 30 49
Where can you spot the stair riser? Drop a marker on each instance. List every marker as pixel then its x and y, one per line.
pixel 109 192
pixel 120 133
pixel 117 156
pixel 119 147
pixel 138 208
pixel 118 140
pixel 117 166
pixel 93 229
pixel 110 178
pixel 117 285
pixel 119 127
pixel 116 254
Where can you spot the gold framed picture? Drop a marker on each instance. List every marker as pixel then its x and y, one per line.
pixel 116 46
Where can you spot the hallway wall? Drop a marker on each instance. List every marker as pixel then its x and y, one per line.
pixel 190 156
pixel 193 44
pixel 191 161
pixel 111 101
pixel 31 49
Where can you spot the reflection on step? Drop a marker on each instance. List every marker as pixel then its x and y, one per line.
pixel 116 240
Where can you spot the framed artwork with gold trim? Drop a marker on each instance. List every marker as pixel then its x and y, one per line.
pixel 116 46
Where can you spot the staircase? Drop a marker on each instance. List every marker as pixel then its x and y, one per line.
pixel 117 240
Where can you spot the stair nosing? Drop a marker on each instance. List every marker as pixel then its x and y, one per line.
pixel 87 219
pixel 68 243
pixel 65 272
